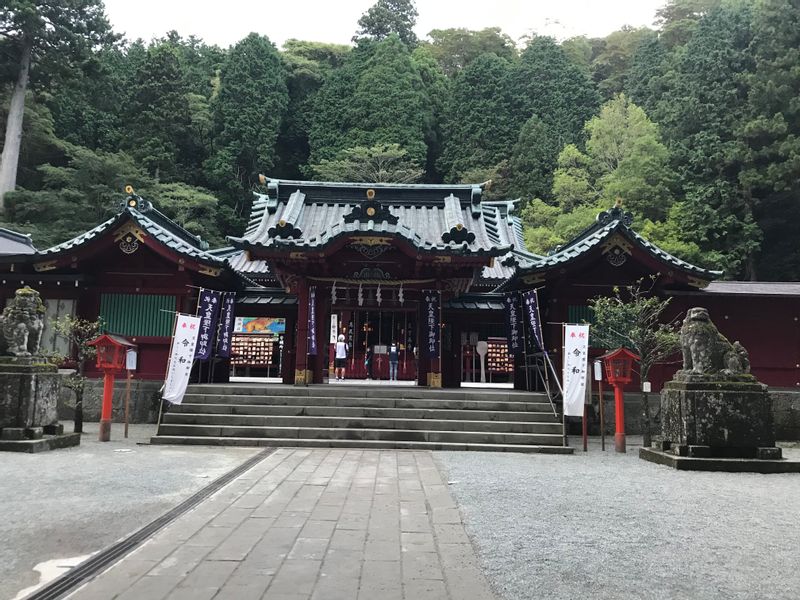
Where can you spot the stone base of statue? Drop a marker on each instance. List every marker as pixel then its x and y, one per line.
pixel 715 416
pixel 718 426
pixel 719 419
pixel 29 389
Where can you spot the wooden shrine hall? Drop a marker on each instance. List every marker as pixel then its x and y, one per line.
pixel 363 258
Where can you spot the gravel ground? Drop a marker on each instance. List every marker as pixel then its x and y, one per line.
pixel 604 525
pixel 72 502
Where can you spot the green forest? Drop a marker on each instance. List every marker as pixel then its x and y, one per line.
pixel 693 124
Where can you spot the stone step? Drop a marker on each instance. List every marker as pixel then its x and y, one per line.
pixel 359 423
pixel 519 405
pixel 375 444
pixel 352 411
pixel 330 433
pixel 363 391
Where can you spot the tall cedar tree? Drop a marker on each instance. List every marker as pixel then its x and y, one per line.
pixel 61 32
pixel 389 17
pixel 544 82
pixel 478 127
pixel 308 65
pixel 644 83
pixel 771 130
pixel 249 110
pixel 533 161
pixel 377 97
pixel 700 115
pixel 159 118
pixel 436 88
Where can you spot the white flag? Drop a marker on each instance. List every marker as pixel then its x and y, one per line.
pixel 184 341
pixel 576 364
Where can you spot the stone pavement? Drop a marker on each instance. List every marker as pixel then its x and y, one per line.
pixel 321 524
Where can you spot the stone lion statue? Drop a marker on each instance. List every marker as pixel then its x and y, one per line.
pixel 706 352
pixel 22 323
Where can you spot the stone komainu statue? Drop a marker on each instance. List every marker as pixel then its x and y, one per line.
pixel 22 324
pixel 706 352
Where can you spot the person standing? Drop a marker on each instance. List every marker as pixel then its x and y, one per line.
pixel 340 358
pixel 394 358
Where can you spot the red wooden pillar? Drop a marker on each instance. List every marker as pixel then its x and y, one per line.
pixel 302 374
pixel 105 411
pixel 619 418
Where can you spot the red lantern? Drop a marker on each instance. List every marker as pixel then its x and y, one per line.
pixel 111 354
pixel 619 371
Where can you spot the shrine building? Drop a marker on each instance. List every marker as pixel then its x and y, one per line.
pixel 369 254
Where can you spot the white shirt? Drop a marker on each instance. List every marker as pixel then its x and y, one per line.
pixel 341 350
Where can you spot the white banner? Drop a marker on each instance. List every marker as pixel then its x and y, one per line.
pixel 184 341
pixel 334 328
pixel 576 356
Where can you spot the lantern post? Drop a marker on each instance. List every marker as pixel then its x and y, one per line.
pixel 111 352
pixel 619 369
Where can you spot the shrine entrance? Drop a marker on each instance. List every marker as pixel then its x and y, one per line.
pixel 369 334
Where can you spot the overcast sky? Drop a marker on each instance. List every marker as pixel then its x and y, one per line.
pixel 224 22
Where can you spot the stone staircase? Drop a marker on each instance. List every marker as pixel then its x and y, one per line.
pixel 353 416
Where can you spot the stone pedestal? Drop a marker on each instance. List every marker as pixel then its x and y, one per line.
pixel 29 390
pixel 718 419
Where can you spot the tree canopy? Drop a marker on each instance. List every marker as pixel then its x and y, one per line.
pixel 692 124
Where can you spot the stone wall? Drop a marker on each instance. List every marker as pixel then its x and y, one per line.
pixel 143 406
pixel 785 411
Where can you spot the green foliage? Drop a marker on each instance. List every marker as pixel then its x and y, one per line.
pixel 713 178
pixel 546 227
pixel 573 184
pixel 61 32
pixel 308 65
pixel 700 116
pixel 87 190
pixel 633 317
pixel 770 129
pixel 248 110
pixel 73 197
pixel 670 236
pixel 159 117
pixel 533 160
pixel 629 160
pixel 546 83
pixel 610 67
pixel 678 19
pixel 436 89
pixel 389 17
pixel 383 163
pixel 478 126
pixel 644 83
pixel 455 48
pixel 579 50
pixel 78 333
pixel 376 98
pixel 496 177
pixel 190 207
pixel 624 160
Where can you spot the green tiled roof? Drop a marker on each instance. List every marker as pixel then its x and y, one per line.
pixel 155 223
pixel 504 228
pixel 296 215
